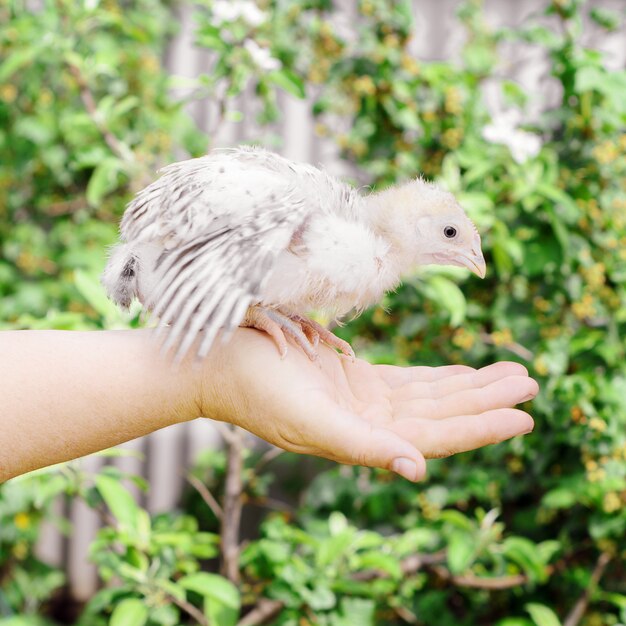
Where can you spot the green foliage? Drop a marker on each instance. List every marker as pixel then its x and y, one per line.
pixel 510 535
pixel 85 117
pixel 26 583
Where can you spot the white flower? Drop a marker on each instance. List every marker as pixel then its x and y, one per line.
pixel 503 130
pixel 231 11
pixel 261 57
pixel 251 14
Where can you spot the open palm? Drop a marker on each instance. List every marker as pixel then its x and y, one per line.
pixel 362 414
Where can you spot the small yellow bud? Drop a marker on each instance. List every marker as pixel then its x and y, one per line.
pixel 22 520
pixel 20 550
pixel 364 85
pixel 611 502
pixel 8 93
pixel 597 423
pixel 541 366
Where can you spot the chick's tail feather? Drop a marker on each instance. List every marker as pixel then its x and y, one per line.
pixel 120 275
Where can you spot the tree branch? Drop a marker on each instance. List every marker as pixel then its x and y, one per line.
pixel 409 566
pixel 271 503
pixel 65 207
pixel 190 609
pixel 206 495
pixel 405 615
pixel 479 582
pixel 264 610
pixel 117 147
pixel 268 457
pixel 578 610
pixel 231 517
pixel 225 432
pixel 513 347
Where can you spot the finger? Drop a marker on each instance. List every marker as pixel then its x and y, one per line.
pixel 451 384
pixel 396 376
pixel 502 393
pixel 341 436
pixel 437 439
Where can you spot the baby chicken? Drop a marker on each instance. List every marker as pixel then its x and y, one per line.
pixel 246 237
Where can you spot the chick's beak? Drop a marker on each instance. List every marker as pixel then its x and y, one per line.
pixel 475 261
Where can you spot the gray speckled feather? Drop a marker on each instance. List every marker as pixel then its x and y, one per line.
pixel 219 234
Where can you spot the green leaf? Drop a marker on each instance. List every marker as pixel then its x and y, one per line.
pixel 461 552
pixel 320 598
pixel 380 561
pixel 24 620
pixel 91 289
pixel 221 598
pixel 119 500
pixel 103 180
pixel 356 612
pixel 129 612
pixel 337 523
pixel 527 555
pixel 335 547
pixel 16 61
pixel 165 615
pixel 609 84
pixel 174 590
pixel 125 105
pixel 617 599
pixel 457 519
pixel 274 551
pixel 212 586
pixel 560 498
pixel 289 81
pixel 448 295
pixel 209 36
pixel 219 614
pixel 605 17
pixel 542 615
pixel 407 118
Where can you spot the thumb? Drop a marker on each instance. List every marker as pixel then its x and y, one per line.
pixel 353 441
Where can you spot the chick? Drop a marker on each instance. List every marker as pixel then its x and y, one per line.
pixel 245 237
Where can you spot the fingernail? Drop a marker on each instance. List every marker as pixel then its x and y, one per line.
pixel 407 468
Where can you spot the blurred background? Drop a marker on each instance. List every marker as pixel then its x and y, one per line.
pixel 517 107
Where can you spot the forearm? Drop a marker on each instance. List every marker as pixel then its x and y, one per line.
pixel 67 393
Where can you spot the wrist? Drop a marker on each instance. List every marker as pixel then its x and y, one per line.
pixel 176 385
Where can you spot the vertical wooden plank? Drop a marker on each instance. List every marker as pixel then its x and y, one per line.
pixel 182 59
pixel 437 35
pixel 49 548
pixel 165 467
pixel 201 434
pixel 82 575
pixel 134 464
pixel 296 128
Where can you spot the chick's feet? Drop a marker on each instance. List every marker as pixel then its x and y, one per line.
pixel 305 332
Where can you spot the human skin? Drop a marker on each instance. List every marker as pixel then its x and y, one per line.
pixel 69 393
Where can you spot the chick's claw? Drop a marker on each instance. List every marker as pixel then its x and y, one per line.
pixel 305 332
pixel 278 326
pixel 326 336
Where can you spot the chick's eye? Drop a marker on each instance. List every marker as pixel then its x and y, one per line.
pixel 449 232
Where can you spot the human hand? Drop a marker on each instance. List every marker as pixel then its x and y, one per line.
pixel 362 414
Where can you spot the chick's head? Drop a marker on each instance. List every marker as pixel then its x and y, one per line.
pixel 426 226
